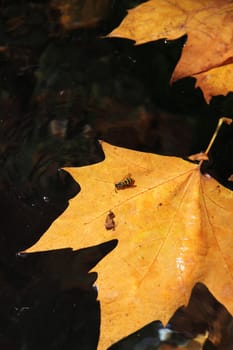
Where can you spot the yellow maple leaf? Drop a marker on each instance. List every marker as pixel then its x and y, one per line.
pixel 174 228
pixel 209 27
pixel 216 81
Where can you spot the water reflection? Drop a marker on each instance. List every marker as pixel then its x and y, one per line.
pixel 48 300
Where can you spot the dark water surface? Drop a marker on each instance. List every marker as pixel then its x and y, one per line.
pixel 62 89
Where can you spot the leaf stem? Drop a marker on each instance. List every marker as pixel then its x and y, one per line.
pixel 220 122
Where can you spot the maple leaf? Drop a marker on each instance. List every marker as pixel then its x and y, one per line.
pixel 174 229
pixel 208 25
pixel 216 81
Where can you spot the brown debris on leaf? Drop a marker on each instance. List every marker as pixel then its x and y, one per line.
pixel 109 221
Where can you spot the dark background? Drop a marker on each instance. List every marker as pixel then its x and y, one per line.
pixel 63 87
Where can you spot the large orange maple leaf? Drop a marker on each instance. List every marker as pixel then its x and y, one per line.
pixel 208 52
pixel 174 227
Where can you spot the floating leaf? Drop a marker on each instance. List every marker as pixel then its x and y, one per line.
pixel 174 227
pixel 208 25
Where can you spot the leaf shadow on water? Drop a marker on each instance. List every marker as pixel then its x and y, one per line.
pixel 47 299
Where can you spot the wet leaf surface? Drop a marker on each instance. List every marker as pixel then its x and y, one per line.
pixel 173 226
